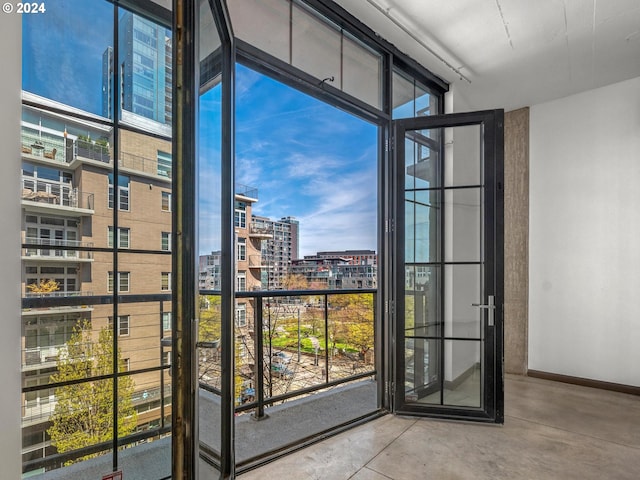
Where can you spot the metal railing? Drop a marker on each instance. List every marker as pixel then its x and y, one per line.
pixel 68 252
pixel 59 148
pixel 246 191
pixel 91 150
pixel 143 164
pixel 43 145
pixel 296 342
pixel 257 261
pixel 55 193
pixel 263 231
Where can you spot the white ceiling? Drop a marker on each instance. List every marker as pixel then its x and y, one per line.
pixel 512 53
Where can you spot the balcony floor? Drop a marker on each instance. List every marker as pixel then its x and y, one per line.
pixel 552 430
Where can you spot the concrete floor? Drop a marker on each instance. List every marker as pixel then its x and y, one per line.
pixel 552 430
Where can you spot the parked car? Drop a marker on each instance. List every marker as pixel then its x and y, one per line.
pixel 281 358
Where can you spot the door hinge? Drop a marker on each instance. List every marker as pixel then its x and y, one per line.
pixel 389 225
pixel 389 307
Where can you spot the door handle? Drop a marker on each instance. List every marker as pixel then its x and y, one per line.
pixel 491 307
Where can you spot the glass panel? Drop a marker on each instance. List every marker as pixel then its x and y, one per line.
pixel 351 335
pixel 362 72
pixel 423 311
pixel 410 99
pixel 209 38
pixel 315 46
pixel 300 162
pixel 307 170
pixel 422 159
pixel 263 23
pixel 421 370
pixel 144 405
pixel 464 226
pixel 140 331
pixel 463 155
pixel 63 54
pixel 144 71
pixel 209 210
pixel 463 287
pixel 423 213
pixel 463 383
pixel 71 195
pixel 403 96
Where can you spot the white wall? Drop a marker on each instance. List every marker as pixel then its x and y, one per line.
pixel 584 281
pixel 10 437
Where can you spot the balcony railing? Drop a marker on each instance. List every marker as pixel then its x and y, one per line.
pixel 59 294
pixel 143 164
pixel 264 232
pixel 258 261
pixel 39 409
pixel 55 193
pixel 43 145
pixel 246 191
pixel 91 150
pixel 294 343
pixel 67 253
pixel 39 355
pixel 62 149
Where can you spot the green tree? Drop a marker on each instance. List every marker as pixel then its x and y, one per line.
pixel 209 331
pixel 83 414
pixel 357 315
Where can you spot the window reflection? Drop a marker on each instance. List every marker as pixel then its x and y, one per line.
pixel 96 236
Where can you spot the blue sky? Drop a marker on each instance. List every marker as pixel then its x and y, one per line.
pixel 307 159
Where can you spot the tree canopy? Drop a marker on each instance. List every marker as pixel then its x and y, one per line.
pixel 83 414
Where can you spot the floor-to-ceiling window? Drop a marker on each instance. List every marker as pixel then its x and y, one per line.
pixel 96 211
pixel 292 228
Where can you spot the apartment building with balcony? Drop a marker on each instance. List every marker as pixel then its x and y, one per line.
pixel 68 198
pixel 281 247
pixel 335 272
pixel 355 257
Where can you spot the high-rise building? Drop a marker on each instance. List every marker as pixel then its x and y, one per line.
pixel 279 250
pixel 144 70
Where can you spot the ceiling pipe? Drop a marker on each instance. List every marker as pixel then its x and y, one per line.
pixel 398 24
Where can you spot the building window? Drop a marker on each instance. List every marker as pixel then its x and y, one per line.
pixel 241 281
pixel 125 365
pixel 166 321
pixel 165 243
pixel 241 315
pixel 166 201
pixel 123 325
pixel 123 237
pixel 242 249
pixel 123 192
pixel 164 164
pixel 123 282
pixel 166 281
pixel 166 358
pixel 240 219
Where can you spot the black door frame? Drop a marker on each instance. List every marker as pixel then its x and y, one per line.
pixel 492 124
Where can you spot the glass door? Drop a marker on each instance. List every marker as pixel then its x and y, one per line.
pixel 448 263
